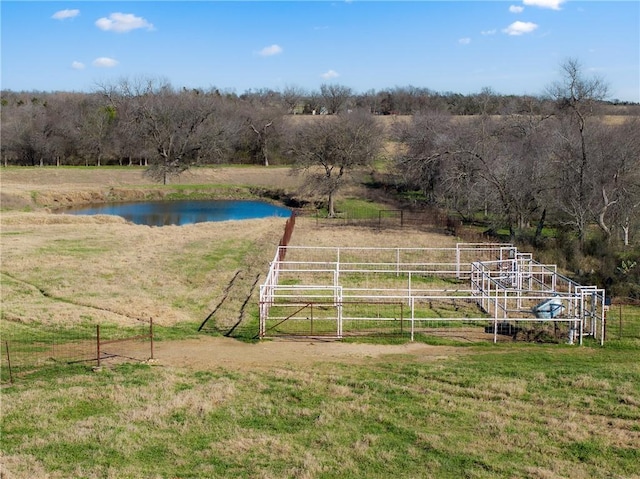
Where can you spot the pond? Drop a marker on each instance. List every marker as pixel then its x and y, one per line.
pixel 164 213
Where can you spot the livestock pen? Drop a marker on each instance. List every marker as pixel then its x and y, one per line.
pixel 473 290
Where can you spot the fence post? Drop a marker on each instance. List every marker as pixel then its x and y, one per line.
pixel 151 335
pixel 98 344
pixel 620 330
pixel 413 317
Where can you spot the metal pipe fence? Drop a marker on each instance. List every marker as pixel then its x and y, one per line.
pixel 501 287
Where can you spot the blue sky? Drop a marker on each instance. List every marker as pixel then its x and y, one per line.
pixel 513 47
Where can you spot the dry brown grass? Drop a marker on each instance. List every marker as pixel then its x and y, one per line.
pixel 72 179
pixel 310 233
pixel 62 187
pixel 65 269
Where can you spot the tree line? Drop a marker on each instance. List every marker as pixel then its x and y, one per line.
pixel 517 163
pixel 139 121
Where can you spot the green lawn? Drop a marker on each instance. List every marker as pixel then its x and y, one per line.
pixel 511 411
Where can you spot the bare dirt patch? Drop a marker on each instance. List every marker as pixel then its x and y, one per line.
pixel 209 353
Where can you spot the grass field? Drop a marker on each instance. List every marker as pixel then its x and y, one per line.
pixel 479 412
pixel 218 407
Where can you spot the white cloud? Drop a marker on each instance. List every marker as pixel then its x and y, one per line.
pixel 64 14
pixel 77 65
pixel 105 62
pixel 464 41
pixel 270 51
pixel 520 28
pixel 122 22
pixel 552 4
pixel 516 9
pixel 330 74
pixel 488 32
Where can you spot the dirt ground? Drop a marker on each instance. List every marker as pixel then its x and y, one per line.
pixel 143 275
pixel 211 353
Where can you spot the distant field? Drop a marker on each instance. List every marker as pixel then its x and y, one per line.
pixel 65 186
pixel 211 406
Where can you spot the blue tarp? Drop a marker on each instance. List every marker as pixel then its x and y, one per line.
pixel 548 309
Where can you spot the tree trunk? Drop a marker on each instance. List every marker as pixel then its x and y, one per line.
pixel 331 206
pixel 625 237
pixel 625 230
pixel 538 235
pixel 605 206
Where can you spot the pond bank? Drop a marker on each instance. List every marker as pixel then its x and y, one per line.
pixel 25 188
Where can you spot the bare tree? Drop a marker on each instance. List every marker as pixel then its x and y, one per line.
pixel 292 96
pixel 15 125
pixel 127 142
pixel 95 124
pixel 368 101
pixel 221 130
pixel 328 149
pixel 171 123
pixel 313 103
pixel 576 96
pixel 264 122
pixel 130 139
pixel 482 142
pixel 28 130
pixel 335 97
pixel 616 152
pixel 478 164
pixel 420 162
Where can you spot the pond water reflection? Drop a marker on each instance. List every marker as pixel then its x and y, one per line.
pixel 164 213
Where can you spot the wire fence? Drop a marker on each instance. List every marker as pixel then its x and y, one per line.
pixel 22 355
pixel 623 319
pixel 392 218
pixel 425 219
